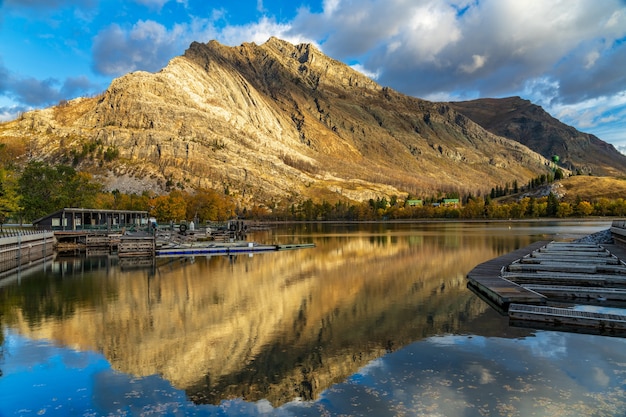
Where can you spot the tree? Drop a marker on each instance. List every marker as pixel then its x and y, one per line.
pixel 9 202
pixel 44 189
pixel 553 205
pixel 558 174
pixel 474 208
pixel 38 190
pixel 169 207
pixel 210 205
pixel 583 208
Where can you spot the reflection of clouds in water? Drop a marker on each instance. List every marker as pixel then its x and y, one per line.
pixel 600 309
pixel 541 344
pixel 452 340
pixel 544 374
pixel 484 375
pixel 450 376
pixel 549 345
pixel 600 376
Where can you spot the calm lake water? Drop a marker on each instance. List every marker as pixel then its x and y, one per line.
pixel 376 320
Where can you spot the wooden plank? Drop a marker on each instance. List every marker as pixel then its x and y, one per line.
pixel 585 293
pixel 573 253
pixel 572 245
pixel 563 316
pixel 585 280
pixel 486 280
pixel 555 267
pixel 575 260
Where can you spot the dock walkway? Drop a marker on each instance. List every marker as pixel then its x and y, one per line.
pixel 486 279
pixel 521 284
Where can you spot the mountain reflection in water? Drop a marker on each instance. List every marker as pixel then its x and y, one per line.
pixel 274 327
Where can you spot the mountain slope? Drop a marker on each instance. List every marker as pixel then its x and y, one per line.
pixel 271 124
pixel 529 124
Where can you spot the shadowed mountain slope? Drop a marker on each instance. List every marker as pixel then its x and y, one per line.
pixel 529 124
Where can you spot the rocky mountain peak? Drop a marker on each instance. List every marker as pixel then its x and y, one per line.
pixel 274 124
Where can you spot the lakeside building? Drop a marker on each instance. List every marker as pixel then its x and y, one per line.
pixel 72 219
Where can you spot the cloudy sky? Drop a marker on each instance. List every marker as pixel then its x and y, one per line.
pixel 568 56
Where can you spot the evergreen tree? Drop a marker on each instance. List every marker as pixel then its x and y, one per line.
pixel 553 205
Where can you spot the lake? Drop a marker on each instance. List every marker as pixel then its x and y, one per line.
pixel 376 320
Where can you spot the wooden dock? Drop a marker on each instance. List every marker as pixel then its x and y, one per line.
pixel 217 248
pixel 22 247
pixel 522 283
pixel 604 322
pixel 486 279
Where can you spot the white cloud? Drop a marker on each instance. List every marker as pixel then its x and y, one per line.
pixel 591 59
pixel 478 61
pixel 155 4
pixel 591 112
pixel 147 45
pixel 370 74
pixel 330 6
pixel 259 32
pixel 559 53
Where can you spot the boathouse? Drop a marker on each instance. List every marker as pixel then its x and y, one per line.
pixel 74 219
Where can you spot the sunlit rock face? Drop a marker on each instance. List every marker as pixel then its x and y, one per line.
pixel 271 123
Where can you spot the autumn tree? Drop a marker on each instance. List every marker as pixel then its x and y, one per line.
pixel 171 207
pixel 209 205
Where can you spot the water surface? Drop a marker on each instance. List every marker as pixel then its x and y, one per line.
pixel 376 320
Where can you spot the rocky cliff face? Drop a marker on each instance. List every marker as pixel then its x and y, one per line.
pixel 529 124
pixel 272 123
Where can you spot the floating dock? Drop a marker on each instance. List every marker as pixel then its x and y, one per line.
pixel 142 244
pixel 224 248
pixel 486 279
pixel 569 319
pixel 521 284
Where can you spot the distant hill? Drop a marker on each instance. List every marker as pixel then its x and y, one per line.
pixel 275 124
pixel 590 188
pixel 529 124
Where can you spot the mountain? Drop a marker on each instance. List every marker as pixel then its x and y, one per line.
pixel 270 124
pixel 531 125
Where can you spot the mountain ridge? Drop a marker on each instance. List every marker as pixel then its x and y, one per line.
pixel 273 124
pixel 521 120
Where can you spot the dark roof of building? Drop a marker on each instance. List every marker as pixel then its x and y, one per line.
pixel 86 210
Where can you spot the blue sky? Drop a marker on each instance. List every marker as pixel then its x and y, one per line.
pixel 568 56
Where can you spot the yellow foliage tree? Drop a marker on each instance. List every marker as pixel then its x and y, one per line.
pixel 209 205
pixel 171 207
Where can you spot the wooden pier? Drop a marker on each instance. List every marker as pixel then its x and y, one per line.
pixel 521 284
pixel 486 279
pixel 22 247
pixel 567 319
pixel 224 248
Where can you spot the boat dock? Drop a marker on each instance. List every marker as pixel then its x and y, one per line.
pixel 24 247
pixel 223 248
pixel 550 283
pixel 486 279
pixel 162 243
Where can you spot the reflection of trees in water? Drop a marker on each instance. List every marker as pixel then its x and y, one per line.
pixel 57 291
